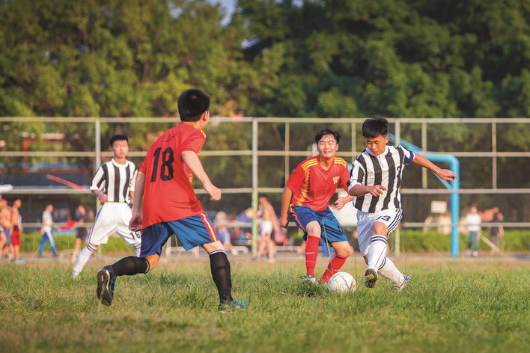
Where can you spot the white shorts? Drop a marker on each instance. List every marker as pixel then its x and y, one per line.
pixel 112 218
pixel 266 228
pixel 365 222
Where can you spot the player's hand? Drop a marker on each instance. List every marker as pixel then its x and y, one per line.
pixel 103 198
pixel 135 224
pixel 377 190
pixel 284 221
pixel 446 174
pixel 342 201
pixel 215 192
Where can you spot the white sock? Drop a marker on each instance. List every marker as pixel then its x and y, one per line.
pixel 377 251
pixel 82 259
pixel 390 271
pixel 137 251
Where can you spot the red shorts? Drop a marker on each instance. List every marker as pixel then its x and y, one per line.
pixel 15 238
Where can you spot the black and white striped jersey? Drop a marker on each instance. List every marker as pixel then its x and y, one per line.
pixel 386 170
pixel 115 180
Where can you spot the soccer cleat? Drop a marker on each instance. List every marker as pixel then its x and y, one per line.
pixel 370 277
pixel 308 279
pixel 399 286
pixel 225 305
pixel 75 276
pixel 106 286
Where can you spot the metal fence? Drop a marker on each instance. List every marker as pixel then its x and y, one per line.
pixel 248 156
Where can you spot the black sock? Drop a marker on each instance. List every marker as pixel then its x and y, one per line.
pixel 130 265
pixel 221 274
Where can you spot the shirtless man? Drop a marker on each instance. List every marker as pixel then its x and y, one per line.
pixel 5 223
pixel 16 229
pixel 269 222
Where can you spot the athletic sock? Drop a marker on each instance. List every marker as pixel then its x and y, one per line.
pixel 377 251
pixel 130 265
pixel 335 264
pixel 220 267
pixel 83 258
pixel 311 253
pixel 137 250
pixel 390 271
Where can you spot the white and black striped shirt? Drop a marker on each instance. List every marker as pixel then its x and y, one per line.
pixel 386 170
pixel 115 180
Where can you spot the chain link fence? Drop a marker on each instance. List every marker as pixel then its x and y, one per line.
pixel 248 156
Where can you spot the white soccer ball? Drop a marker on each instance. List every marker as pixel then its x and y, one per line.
pixel 342 282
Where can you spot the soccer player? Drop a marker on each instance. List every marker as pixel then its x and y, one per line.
pixel 166 203
pixel 375 183
pixel 310 187
pixel 268 226
pixel 46 230
pixel 112 183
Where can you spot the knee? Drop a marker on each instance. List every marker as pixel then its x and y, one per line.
pixel 343 251
pixel 379 229
pixel 313 231
pixel 153 261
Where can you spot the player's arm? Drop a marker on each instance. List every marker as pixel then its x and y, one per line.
pixel 193 162
pixel 286 201
pixel 135 224
pixel 444 174
pixel 342 201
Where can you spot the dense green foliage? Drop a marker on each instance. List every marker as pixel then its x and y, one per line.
pixel 275 58
pixel 463 306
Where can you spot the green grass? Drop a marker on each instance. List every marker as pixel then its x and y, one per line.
pixel 453 306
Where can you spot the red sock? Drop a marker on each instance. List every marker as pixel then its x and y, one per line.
pixel 311 252
pixel 335 264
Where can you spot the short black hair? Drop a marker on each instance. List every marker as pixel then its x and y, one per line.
pixel 192 104
pixel 118 137
pixel 327 131
pixel 376 126
pixel 263 195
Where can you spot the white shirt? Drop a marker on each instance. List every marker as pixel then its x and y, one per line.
pixel 473 222
pixel 47 221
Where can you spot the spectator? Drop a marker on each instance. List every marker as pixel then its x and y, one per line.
pixel 46 230
pixel 16 229
pixel 496 232
pixel 81 217
pixel 473 222
pixel 268 225
pixel 5 223
pixel 220 222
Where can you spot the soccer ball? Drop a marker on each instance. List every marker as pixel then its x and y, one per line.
pixel 342 282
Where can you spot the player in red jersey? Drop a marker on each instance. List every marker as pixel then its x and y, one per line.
pixel 310 187
pixel 165 203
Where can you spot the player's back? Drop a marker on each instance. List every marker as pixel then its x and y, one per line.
pixel 168 192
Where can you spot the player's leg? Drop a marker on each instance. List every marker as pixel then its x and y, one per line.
pixel 123 215
pixel 153 239
pixel 198 230
pixel 476 243
pixel 104 227
pixel 307 220
pixel 271 247
pixel 2 240
pixel 384 223
pixel 333 233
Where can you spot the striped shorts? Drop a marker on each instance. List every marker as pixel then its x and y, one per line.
pixel 365 222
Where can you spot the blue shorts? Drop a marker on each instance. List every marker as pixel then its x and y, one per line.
pixel 7 232
pixel 331 230
pixel 191 232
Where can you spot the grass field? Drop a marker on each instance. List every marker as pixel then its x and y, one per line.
pixel 451 306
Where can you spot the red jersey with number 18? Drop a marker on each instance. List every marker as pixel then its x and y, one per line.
pixel 313 186
pixel 168 193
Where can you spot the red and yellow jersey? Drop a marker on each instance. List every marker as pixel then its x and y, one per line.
pixel 168 193
pixel 313 186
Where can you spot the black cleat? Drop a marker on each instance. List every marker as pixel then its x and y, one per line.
pixel 106 286
pixel 370 277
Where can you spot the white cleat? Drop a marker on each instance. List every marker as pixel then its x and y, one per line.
pixel 399 286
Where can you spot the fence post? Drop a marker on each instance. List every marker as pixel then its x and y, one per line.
pixel 97 163
pixel 254 185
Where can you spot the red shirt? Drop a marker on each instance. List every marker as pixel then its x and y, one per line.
pixel 168 193
pixel 313 186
